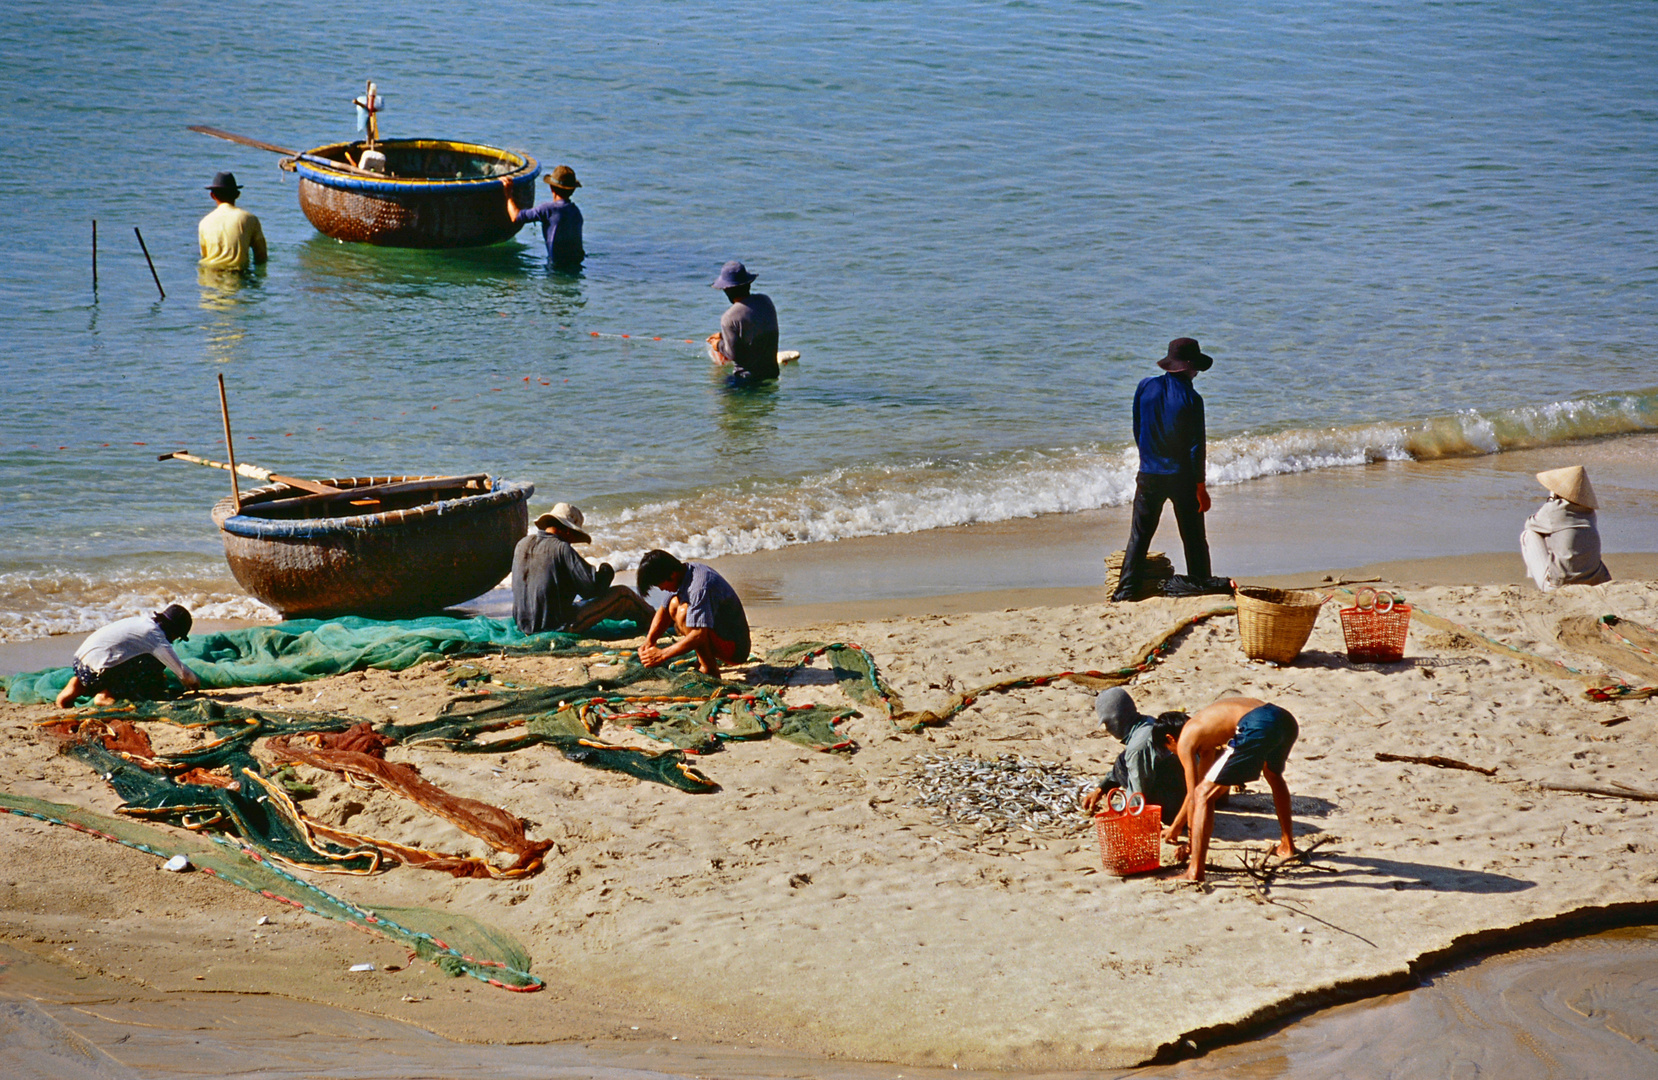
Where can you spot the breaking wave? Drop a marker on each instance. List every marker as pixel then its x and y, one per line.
pixel 886 500
pixel 39 601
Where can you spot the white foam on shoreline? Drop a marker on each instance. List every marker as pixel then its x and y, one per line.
pixel 38 600
pixel 41 602
pixel 895 500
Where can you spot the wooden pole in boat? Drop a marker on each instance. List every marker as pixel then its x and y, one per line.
pixel 146 250
pixel 94 258
pixel 230 450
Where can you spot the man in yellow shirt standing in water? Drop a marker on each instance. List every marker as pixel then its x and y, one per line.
pixel 230 236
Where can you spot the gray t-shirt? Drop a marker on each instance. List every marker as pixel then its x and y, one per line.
pixel 713 605
pixel 748 336
pixel 547 579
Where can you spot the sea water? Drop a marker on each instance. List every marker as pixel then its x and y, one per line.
pixel 1405 232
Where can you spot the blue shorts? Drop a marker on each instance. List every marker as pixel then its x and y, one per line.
pixel 1263 739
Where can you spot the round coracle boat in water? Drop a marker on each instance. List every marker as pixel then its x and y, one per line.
pixel 435 193
pixel 384 546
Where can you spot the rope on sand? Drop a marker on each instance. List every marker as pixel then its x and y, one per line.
pixel 1147 657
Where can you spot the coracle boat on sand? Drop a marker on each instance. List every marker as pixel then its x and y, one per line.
pixel 434 193
pixel 381 546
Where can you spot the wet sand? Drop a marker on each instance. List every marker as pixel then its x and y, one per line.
pixel 1573 1008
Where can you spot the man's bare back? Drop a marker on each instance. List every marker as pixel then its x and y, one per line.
pixel 1204 741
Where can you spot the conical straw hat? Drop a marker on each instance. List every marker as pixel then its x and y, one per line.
pixel 1571 484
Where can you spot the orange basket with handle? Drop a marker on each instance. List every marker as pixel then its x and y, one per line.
pixel 1375 627
pixel 1130 833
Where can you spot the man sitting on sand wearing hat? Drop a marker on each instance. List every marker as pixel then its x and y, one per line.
pixel 1561 542
pixel 549 578
pixel 560 218
pixel 125 659
pixel 702 608
pixel 229 236
pixel 748 329
pixel 1169 430
pixel 1232 741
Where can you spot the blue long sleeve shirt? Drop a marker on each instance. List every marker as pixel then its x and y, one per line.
pixel 560 228
pixel 1168 427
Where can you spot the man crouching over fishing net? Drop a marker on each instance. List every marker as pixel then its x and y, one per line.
pixel 130 659
pixel 702 607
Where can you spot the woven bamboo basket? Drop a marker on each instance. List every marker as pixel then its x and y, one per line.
pixel 1274 624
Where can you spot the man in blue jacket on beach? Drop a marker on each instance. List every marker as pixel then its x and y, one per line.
pixel 1168 428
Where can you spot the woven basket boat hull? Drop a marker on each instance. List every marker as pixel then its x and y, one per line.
pixel 417 559
pixel 441 194
pixel 1274 624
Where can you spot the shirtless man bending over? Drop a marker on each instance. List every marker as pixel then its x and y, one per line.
pixel 1231 742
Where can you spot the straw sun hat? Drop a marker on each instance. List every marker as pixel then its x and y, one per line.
pixel 1571 484
pixel 570 517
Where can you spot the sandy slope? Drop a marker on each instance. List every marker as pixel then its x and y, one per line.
pixel 808 906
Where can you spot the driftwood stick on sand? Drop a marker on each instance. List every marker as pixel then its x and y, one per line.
pixel 1437 762
pixel 1614 789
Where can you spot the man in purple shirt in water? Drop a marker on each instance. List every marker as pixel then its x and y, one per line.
pixel 748 329
pixel 559 217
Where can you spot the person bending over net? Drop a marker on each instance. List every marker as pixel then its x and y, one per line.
pixel 702 608
pixel 129 659
pixel 1232 741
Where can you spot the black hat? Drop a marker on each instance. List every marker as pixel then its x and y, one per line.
pixel 175 622
pixel 225 181
pixel 1184 355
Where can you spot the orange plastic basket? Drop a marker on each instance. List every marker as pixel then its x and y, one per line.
pixel 1130 833
pixel 1375 627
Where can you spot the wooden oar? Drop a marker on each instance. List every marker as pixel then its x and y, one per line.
pixel 370 492
pixel 254 472
pixel 302 156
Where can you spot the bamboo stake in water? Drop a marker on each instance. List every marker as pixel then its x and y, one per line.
pixel 151 261
pixel 94 257
pixel 230 451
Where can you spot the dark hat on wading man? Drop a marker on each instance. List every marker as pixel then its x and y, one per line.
pixel 225 182
pixel 1184 355
pixel 733 275
pixel 563 178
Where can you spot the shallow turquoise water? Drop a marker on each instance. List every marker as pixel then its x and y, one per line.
pixel 1401 230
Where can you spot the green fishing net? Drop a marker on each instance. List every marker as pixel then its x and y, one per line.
pixel 304 649
pixel 456 943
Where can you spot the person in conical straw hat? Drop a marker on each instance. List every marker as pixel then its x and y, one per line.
pixel 1561 542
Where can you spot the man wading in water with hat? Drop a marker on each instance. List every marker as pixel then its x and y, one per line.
pixel 559 217
pixel 748 329
pixel 1168 428
pixel 229 236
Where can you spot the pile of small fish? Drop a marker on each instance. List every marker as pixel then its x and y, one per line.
pixel 1011 792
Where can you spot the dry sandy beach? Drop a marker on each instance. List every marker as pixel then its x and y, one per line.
pixel 809 908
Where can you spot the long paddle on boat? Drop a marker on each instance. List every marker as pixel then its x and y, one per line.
pixel 257 144
pixel 254 472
